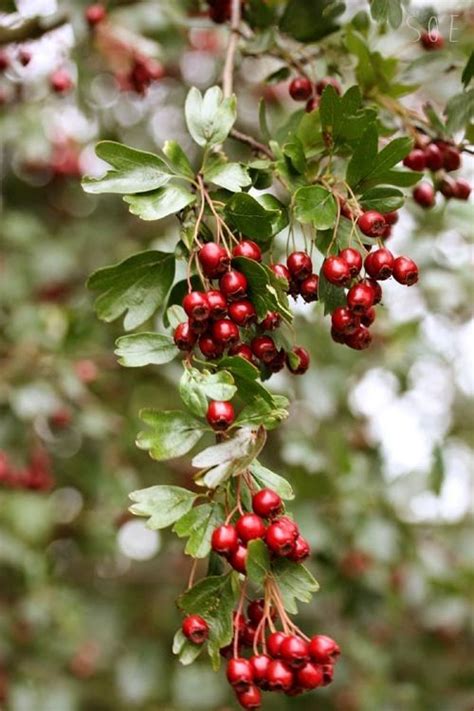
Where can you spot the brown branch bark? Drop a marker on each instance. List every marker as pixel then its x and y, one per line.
pixel 30 29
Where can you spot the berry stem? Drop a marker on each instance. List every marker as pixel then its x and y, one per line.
pixel 228 73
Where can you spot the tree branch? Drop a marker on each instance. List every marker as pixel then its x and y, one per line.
pixel 228 73
pixel 30 29
pixel 252 142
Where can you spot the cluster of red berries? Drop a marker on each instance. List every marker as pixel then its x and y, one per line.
pixel 60 80
pixel 225 320
pixel 280 534
pixel 439 157
pixel 36 476
pixel 350 324
pixel 303 89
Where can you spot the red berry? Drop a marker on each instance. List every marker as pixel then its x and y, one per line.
pixel 328 673
pixel 432 39
pixel 290 525
pixel 337 336
pixel 376 288
pixel 279 676
pixel 250 527
pixel 323 650
pixel 243 313
pixel 238 559
pixel 4 60
pixel 267 503
pixel 434 157
pixel 195 628
pixel 220 11
pixel 328 81
pixel 310 676
pixel 312 104
pixel 447 187
pixel 220 415
pixel 451 158
pixel 248 249
pixel 344 320
pixel 359 340
pixel 260 664
pixel 304 360
pixel 251 698
pixel 353 259
pixel 371 223
pixel 281 271
pixel 279 539
pixel 278 362
pixel 368 317
pixel 294 651
pixel 196 306
pixel 243 350
pixel 405 271
pixel 199 327
pixel 234 285
pixel 210 348
pixel 424 195
pixel 264 348
pixel 309 288
pixel 248 634
pixel 301 550
pixel 274 643
pixel 225 540
pixel 225 332
pixel 300 89
pixel 300 265
pixel 336 271
pixel 217 304
pixel 255 610
pixel 360 297
pixel 24 57
pixel 463 189
pixel 379 264
pixel 184 336
pixel 271 321
pixel 415 160
pixel 239 673
pixel 391 218
pixel 61 81
pixel 95 14
pixel 214 260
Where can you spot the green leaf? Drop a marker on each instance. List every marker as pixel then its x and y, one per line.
pixel 316 205
pixel 197 526
pixel 382 199
pixel 265 478
pixel 160 203
pixel 248 216
pixel 310 20
pixel 342 118
pixel 294 151
pixel 400 178
pixel 279 214
pixel 279 75
pixel 134 171
pixel 197 386
pixel 229 458
pixel 142 349
pixel 231 176
pixel 214 599
pixel 295 583
pixel 330 296
pixel 460 111
pixel 390 11
pixel 367 167
pixel 173 433
pixel 258 562
pixel 177 294
pixel 364 156
pixel 137 287
pixel 468 71
pixel 210 117
pixel 187 651
pixel 178 159
pixel 261 412
pixel 239 367
pixel 162 504
pixel 265 290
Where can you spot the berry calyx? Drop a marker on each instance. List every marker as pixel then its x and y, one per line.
pixel 279 539
pixel 239 673
pixel 303 361
pixel 196 305
pixel 242 313
pixel 267 503
pixel 323 649
pixel 248 249
pixel 220 415
pixel 233 285
pixel 184 337
pixel 264 348
pixel 195 628
pixel 353 259
pixel 405 271
pixel 299 265
pixel 371 223
pixel 250 527
pixel 225 540
pixel 279 676
pixel 360 297
pixel 336 271
pixel 225 332
pixel 379 264
pixel 214 260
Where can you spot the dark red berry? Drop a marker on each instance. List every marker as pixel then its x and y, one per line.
pixel 249 633
pixel 300 265
pixel 260 664
pixel 225 540
pixel 195 628
pixel 220 11
pixel 309 288
pixel 196 306
pixel 24 57
pixel 323 650
pixel 238 559
pixel 217 304
pixel 184 336
pixel 277 363
pixel 405 271
pixel 250 527
pixel 239 673
pixel 310 676
pixel 199 327
pixel 344 320
pixel 210 348
pixel 328 674
pixel 279 539
pixel 214 260
pixel 301 550
pixel 371 223
pixel 379 264
pixel 359 340
pixel 376 288
pixel 248 249
pixel 255 610
pixel 220 415
pixel 312 104
pixel 328 81
pixel 243 350
pixel 243 313
pixel 300 89
pixel 264 348
pixel 433 157
pixel 225 332
pixel 95 14
pixel 251 698
pixel 463 189
pixel 61 81
pixel 281 271
pixel 4 60
pixel 337 336
pixel 353 259
pixel 290 526
pixel 360 297
pixel 234 285
pixel 415 160
pixel 303 361
pixel 271 321
pixel 391 218
pixel 266 503
pixel 451 158
pixel 432 39
pixel 294 651
pixel 368 317
pixel 336 271
pixel 424 195
pixel 447 187
pixel 279 676
pixel 274 643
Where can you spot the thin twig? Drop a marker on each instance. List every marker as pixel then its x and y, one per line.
pixel 252 142
pixel 228 73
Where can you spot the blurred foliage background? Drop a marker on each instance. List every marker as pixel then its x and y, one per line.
pixel 378 446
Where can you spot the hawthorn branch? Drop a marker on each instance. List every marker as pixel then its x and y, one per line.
pixel 228 73
pixel 30 29
pixel 252 142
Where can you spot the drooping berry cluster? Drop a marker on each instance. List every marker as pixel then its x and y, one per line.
pixel 223 319
pixel 439 157
pixel 35 476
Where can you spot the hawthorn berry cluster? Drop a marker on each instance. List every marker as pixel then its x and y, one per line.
pixel 301 88
pixel 224 320
pixel 36 476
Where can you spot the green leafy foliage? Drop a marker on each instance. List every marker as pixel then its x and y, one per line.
pixel 316 205
pixel 162 504
pixel 258 562
pixel 265 478
pixel 295 583
pixel 265 289
pixel 329 295
pixel 172 433
pixel 229 458
pixel 231 176
pixel 251 218
pixel 368 167
pixel 186 651
pixel 311 20
pixel 261 412
pixel 210 117
pixel 382 199
pixel 197 386
pixel 460 111
pixel 156 205
pixel 197 526
pixel 178 159
pixel 140 349
pixel 390 11
pixel 468 71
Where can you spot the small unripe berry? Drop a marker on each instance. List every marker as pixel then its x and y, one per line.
pixel 220 415
pixel 225 540
pixel 248 249
pixel 415 160
pixel 274 643
pixel 184 337
pixel 266 503
pixel 279 539
pixel 353 259
pixel 359 340
pixel 239 673
pixel 238 559
pixel 279 676
pixel 379 264
pixel 424 195
pixel 196 305
pixel 371 223
pixel 264 348
pixel 217 304
pixel 300 89
pixel 310 676
pixel 225 332
pixel 309 288
pixel 195 628
pixel 300 265
pixel 405 271
pixel 250 527
pixel 336 271
pixel 323 649
pixel 210 348
pixel 233 285
pixel 294 651
pixel 304 360
pixel 214 260
pixel 271 321
pixel 360 297
pixel 243 313
pixel 433 157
